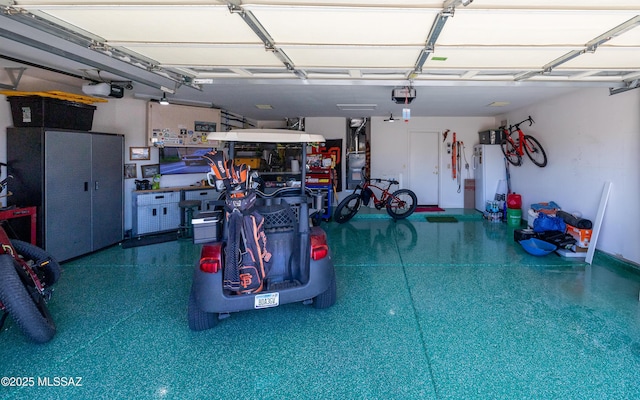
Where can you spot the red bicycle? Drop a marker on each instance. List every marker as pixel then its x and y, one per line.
pixel 399 204
pixel 514 149
pixel 27 274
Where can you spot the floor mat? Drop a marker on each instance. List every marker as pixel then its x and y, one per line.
pixel 428 209
pixel 442 219
pixel 150 239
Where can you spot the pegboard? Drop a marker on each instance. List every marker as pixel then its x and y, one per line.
pixel 177 125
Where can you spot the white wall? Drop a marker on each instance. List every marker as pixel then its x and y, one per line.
pixel 590 138
pixel 390 150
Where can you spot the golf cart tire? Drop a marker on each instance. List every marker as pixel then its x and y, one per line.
pixel 200 320
pixel 34 253
pixel 327 298
pixel 21 306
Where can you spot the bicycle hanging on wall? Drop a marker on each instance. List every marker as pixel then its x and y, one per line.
pixel 514 149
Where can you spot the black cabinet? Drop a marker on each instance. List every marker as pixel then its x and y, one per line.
pixel 75 179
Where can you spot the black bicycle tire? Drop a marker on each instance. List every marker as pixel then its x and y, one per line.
pixel 34 253
pixel 33 319
pixel 412 207
pixel 342 218
pixel 510 153
pixel 538 146
pixel 405 234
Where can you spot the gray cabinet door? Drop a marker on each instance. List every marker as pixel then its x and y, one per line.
pixel 107 188
pixel 68 194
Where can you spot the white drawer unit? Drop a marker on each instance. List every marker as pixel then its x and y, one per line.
pixel 204 195
pixel 155 212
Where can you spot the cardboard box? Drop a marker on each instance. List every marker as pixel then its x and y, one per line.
pixel 469 193
pixel 582 236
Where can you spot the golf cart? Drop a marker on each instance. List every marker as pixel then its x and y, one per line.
pixel 291 261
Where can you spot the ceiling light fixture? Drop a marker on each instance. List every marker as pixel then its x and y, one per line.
pixel 164 101
pixel 390 119
pixel 356 107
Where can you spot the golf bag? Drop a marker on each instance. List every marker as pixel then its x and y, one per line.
pixel 248 259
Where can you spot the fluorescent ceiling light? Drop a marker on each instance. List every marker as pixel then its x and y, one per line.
pixel 264 106
pixel 498 104
pixel 203 81
pixel 356 107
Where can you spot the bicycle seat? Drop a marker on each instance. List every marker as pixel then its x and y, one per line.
pixel 394 182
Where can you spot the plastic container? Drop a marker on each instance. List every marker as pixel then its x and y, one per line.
pixel 207 227
pixel 514 217
pixel 537 247
pixel 36 111
pixel 514 200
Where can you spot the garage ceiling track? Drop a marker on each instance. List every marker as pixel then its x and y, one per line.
pixel 168 44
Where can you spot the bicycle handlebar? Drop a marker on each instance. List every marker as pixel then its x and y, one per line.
pixel 366 178
pixel 3 183
pixel 517 126
pixel 391 181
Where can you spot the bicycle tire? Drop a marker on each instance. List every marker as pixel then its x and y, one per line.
pixel 27 308
pixel 533 148
pixel 402 203
pixel 347 208
pixel 511 153
pixel 45 266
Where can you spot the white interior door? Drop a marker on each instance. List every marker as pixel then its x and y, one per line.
pixel 423 166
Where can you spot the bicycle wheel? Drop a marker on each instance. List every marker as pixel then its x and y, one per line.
pixel 24 303
pixel 402 203
pixel 535 151
pixel 511 153
pixel 47 269
pixel 347 208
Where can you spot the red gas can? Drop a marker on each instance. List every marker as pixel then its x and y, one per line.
pixel 514 200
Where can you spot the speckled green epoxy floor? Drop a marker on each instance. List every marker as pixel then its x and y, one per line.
pixel 424 311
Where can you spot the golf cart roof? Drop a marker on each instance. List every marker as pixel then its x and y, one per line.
pixel 266 136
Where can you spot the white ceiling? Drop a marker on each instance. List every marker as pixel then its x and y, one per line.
pixel 305 57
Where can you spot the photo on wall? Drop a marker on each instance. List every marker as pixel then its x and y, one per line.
pixel 130 171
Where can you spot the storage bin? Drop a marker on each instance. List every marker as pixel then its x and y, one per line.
pixel 37 111
pixel 514 216
pixel 494 136
pixel 582 236
pixel 207 227
pixel 531 216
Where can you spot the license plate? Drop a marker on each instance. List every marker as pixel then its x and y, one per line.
pixel 267 300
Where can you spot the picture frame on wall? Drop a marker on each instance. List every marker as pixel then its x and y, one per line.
pixel 130 171
pixel 139 153
pixel 149 171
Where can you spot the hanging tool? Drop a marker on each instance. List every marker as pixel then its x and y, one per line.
pixel 444 135
pixel 453 156
pixel 506 164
